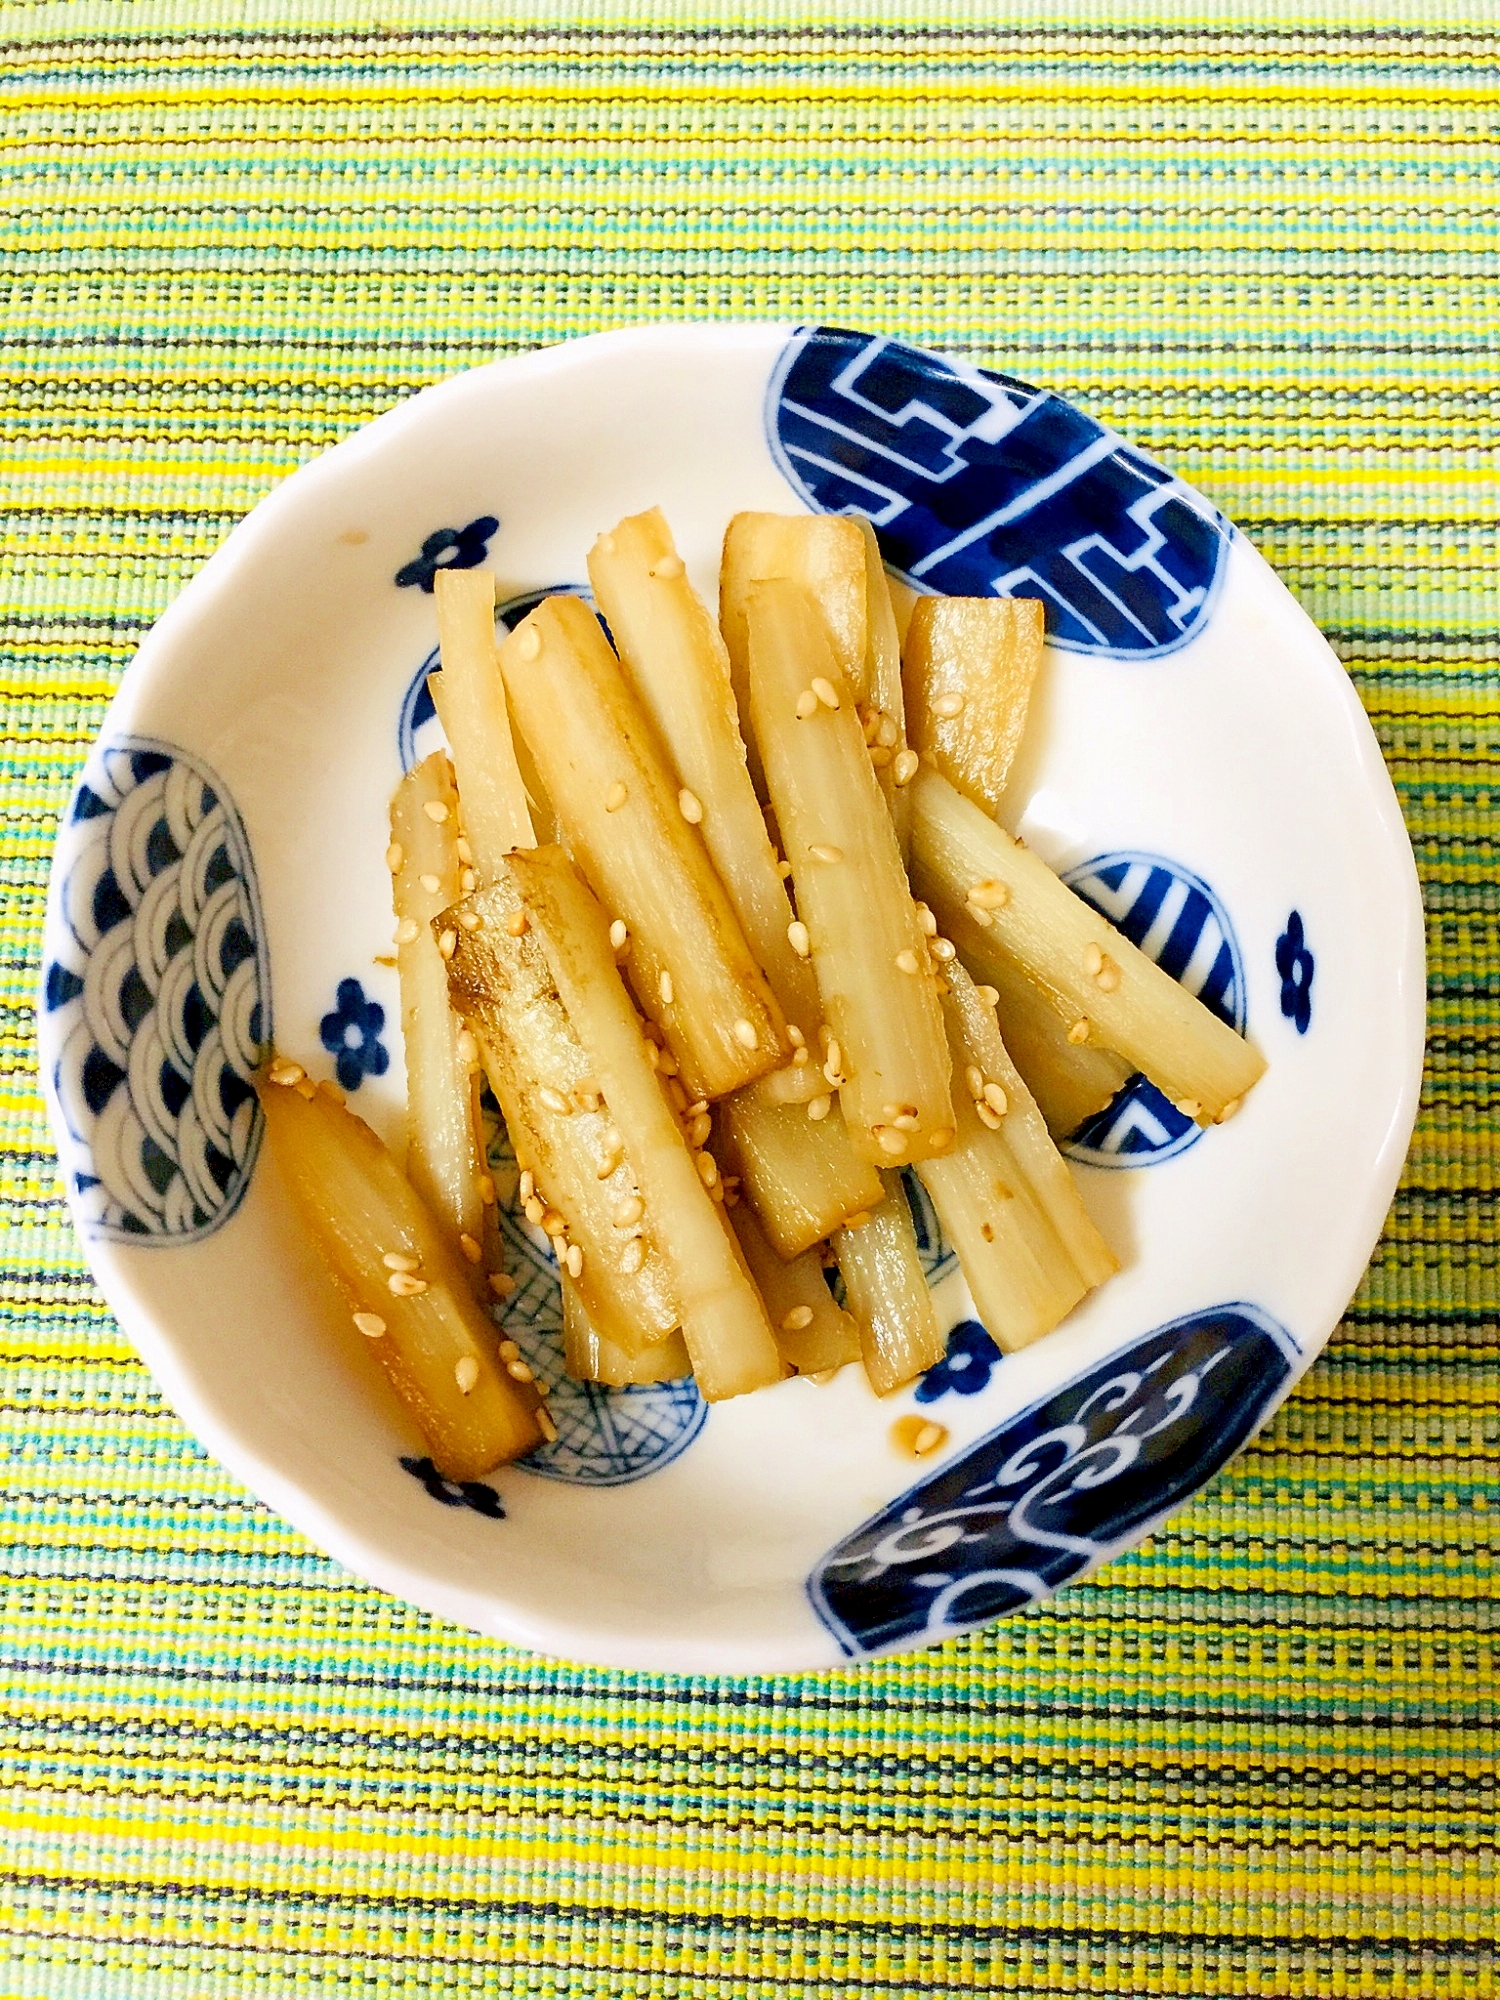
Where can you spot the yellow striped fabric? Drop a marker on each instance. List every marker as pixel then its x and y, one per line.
pixel 1255 1757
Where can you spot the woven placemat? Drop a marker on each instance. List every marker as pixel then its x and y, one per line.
pixel 1257 1755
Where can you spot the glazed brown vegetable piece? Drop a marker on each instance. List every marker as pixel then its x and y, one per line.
pixel 589 1355
pixel 969 665
pixel 800 1174
pixel 814 1333
pixel 888 1293
pixel 407 1290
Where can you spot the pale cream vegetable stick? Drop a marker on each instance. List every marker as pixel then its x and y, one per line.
pixel 822 552
pixel 888 1056
pixel 813 1331
pixel 580 1189
pixel 407 1291
pixel 1004 1195
pixel 591 1356
pixel 800 1173
pixel 1107 991
pixel 671 649
pixel 1069 1080
pixel 903 600
pixel 444 1157
pixel 888 1294
pixel 885 706
pixel 723 1320
pixel 470 700
pixel 969 666
pixel 608 781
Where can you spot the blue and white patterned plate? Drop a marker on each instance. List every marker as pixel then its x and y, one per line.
pixel 1197 767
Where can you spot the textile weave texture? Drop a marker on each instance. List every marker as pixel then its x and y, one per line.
pixel 1257 1756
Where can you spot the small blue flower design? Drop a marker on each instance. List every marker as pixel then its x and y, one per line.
pixel 351 1034
pixel 966 1367
pixel 448 548
pixel 456 1492
pixel 1295 964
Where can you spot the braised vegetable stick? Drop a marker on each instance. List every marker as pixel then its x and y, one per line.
pixel 969 666
pixel 801 1174
pixel 723 1320
pixel 884 711
pixel 1109 993
pixel 591 1356
pixel 672 652
pixel 825 554
pixel 1004 1195
pixel 444 1148
pixel 1069 1080
pixel 470 700
pixel 813 1331
pixel 686 954
pixel 407 1290
pixel 887 1053
pixel 888 1294
pixel 577 1184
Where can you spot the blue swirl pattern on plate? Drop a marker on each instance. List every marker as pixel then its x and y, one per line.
pixel 1057 1488
pixel 980 485
pixel 156 995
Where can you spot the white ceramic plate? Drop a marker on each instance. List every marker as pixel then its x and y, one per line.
pixel 1197 765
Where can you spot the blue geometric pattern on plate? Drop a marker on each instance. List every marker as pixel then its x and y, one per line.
pixel 418 731
pixel 1178 921
pixel 156 997
pixel 981 485
pixel 1057 1488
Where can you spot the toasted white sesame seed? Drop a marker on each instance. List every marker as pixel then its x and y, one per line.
pixel 942 1138
pixel 833 1056
pixel 1108 976
pixel 306 1089
pixel 800 1056
pixel 528 1184
pixel 797 1318
pixel 891 1142
pixel 880 757
pixel 616 796
pixel 634 1256
pixel 989 995
pixel 395 854
pixel 628 1212
pixel 619 934
pixel 575 1260
pixel 784 870
pixel 906 961
pixel 666 1062
pixel 905 1121
pixel 974 1078
pixel 795 1035
pixel 996 1098
pixel 468 882
pixel 518 1371
pixel 469 920
pixel 819 1107
pixel 545 1424
pixel 858 1220
pixel 948 705
pixel 1229 1110
pixel 1189 1107
pixel 745 1035
pixel 518 923
pixel 926 921
pixel 825 691
pixel 668 568
pixel 407 930
pixel 666 989
pixel 430 883
pixel 831 856
pixel 984 918
pixel 927 1439
pixel 797 938
pixel 436 810
pixel 463 850
pixel 371 1325
pixel 1093 959
pixel 399 1260
pixel 699 1127
pixel 690 806
pixel 905 767
pixel 869 721
pixel 448 943
pixel 470 1248
pixel 284 1071
pixel 508 1351
pixel 987 1116
pixel 553 1224
pixel 555 1101
pixel 888 735
pixel 534 1208
pixel 405 1286
pixel 943 949
pixel 1078 1034
pixel 807 704
pixel 529 645
pixel 502 1284
pixel 465 1373
pixel 465 1047
pixel 708 1169
pixel 486 1190
pixel 989 895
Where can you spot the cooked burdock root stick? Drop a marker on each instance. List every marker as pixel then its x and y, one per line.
pixel 408 1291
pixel 801 1174
pixel 1004 1195
pixel 1069 1080
pixel 888 1294
pixel 469 696
pixel 591 1356
pixel 444 1149
pixel 886 1052
pixel 969 665
pixel 883 711
pixel 675 658
pixel 813 1331
pixel 618 804
pixel 724 1323
pixel 1107 992
pixel 576 1182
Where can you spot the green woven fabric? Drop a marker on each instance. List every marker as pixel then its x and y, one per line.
pixel 1254 1757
